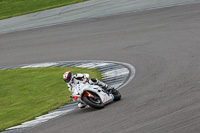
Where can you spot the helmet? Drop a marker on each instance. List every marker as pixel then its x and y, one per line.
pixel 67 76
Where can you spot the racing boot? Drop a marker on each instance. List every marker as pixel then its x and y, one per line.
pixel 81 105
pixel 99 83
pixel 103 85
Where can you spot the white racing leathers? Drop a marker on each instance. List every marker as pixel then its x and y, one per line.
pixel 84 78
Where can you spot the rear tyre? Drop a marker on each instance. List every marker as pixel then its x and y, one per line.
pixel 116 94
pixel 94 102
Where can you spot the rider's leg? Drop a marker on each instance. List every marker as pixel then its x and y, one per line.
pixel 97 82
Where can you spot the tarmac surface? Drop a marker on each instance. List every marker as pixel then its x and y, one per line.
pixel 83 11
pixel 163 45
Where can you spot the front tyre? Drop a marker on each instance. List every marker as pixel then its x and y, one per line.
pixel 94 103
pixel 116 94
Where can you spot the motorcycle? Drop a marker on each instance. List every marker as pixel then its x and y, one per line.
pixel 94 95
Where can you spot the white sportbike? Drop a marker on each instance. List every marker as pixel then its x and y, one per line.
pixel 94 96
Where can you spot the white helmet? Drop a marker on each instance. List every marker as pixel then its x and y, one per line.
pixel 67 76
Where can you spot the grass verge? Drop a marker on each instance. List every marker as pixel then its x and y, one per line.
pixel 11 8
pixel 30 92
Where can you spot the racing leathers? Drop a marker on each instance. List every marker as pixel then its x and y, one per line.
pixel 84 78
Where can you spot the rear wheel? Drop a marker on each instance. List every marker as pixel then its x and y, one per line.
pixel 94 102
pixel 116 94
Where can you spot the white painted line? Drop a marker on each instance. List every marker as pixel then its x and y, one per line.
pixel 132 74
pixel 117 72
pixel 93 65
pixel 41 119
pixel 40 65
pixel 53 114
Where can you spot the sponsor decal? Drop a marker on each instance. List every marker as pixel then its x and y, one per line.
pixel 112 96
pixel 72 89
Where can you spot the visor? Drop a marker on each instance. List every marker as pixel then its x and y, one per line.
pixel 67 80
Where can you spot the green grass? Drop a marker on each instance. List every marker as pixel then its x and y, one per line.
pixel 30 92
pixel 11 8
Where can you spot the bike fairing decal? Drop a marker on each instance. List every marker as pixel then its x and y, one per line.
pixel 115 74
pixel 112 96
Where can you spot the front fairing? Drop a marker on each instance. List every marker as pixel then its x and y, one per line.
pixel 80 88
pixel 99 91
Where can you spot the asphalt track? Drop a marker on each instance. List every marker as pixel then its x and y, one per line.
pixel 162 44
pixel 90 9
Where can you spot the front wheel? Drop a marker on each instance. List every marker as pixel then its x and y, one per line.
pixel 94 102
pixel 116 94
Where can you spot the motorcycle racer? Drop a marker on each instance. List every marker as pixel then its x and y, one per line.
pixel 72 80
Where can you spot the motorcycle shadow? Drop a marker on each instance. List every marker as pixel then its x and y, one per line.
pixel 90 109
